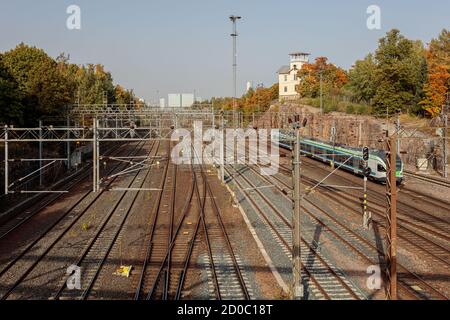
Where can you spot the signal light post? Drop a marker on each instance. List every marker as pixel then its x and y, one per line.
pixel 366 216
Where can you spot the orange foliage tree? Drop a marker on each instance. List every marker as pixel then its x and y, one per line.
pixel 334 78
pixel 438 84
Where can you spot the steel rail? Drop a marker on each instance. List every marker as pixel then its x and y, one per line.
pixel 152 231
pixel 116 235
pixel 51 227
pixel 361 239
pixel 99 231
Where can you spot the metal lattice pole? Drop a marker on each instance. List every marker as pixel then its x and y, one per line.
pixel 6 161
pixel 445 136
pixel 234 36
pixel 40 153
pixel 67 143
pixel 94 156
pixel 296 251
pixel 391 218
pixel 97 146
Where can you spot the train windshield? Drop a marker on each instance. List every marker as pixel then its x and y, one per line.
pixel 399 163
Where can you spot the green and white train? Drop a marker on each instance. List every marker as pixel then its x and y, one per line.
pixel 348 158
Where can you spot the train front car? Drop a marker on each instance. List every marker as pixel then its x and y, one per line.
pixel 378 164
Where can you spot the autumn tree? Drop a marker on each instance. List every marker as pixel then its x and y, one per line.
pixel 254 100
pixel 123 96
pixel 438 84
pixel 333 78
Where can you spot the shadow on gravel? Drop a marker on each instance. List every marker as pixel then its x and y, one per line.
pixel 311 258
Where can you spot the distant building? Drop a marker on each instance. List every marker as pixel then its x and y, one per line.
pixel 249 85
pixel 287 76
pixel 181 100
pixel 162 103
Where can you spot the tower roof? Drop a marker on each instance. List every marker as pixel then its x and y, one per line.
pixel 299 54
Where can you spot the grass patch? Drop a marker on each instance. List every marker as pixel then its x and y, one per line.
pixel 336 105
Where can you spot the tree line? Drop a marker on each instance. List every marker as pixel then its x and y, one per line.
pixel 34 85
pixel 254 100
pixel 401 75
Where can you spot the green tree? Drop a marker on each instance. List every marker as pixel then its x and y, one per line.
pixel 362 80
pixel 399 74
pixel 11 108
pixel 44 88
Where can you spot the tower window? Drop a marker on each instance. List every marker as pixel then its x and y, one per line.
pixel 285 89
pixel 285 78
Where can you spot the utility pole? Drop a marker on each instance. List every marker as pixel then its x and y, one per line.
pixel 333 137
pixel 234 35
pixel 391 217
pixel 68 143
pixel 397 129
pixel 6 160
pixel 95 156
pixel 40 152
pixel 445 135
pixel 321 92
pixel 222 149
pixel 296 237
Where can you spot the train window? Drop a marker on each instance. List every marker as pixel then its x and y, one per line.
pixel 399 163
pixel 361 164
pixel 380 168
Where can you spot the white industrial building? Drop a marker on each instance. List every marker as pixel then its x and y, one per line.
pixel 288 76
pixel 181 100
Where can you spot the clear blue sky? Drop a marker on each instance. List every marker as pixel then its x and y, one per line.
pixel 182 45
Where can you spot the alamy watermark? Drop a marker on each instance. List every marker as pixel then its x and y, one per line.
pixel 374 19
pixel 73 22
pixel 74 280
pixel 374 281
pixel 227 147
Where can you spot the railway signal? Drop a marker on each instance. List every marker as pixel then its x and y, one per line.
pixel 366 173
pixel 366 154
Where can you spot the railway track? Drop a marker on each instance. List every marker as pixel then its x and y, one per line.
pixel 414 235
pixel 94 256
pixel 22 218
pixel 404 206
pixel 438 181
pixel 423 224
pixel 55 232
pixel 325 280
pixel 350 179
pixel 412 285
pixel 159 232
pixel 170 250
pixel 228 281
